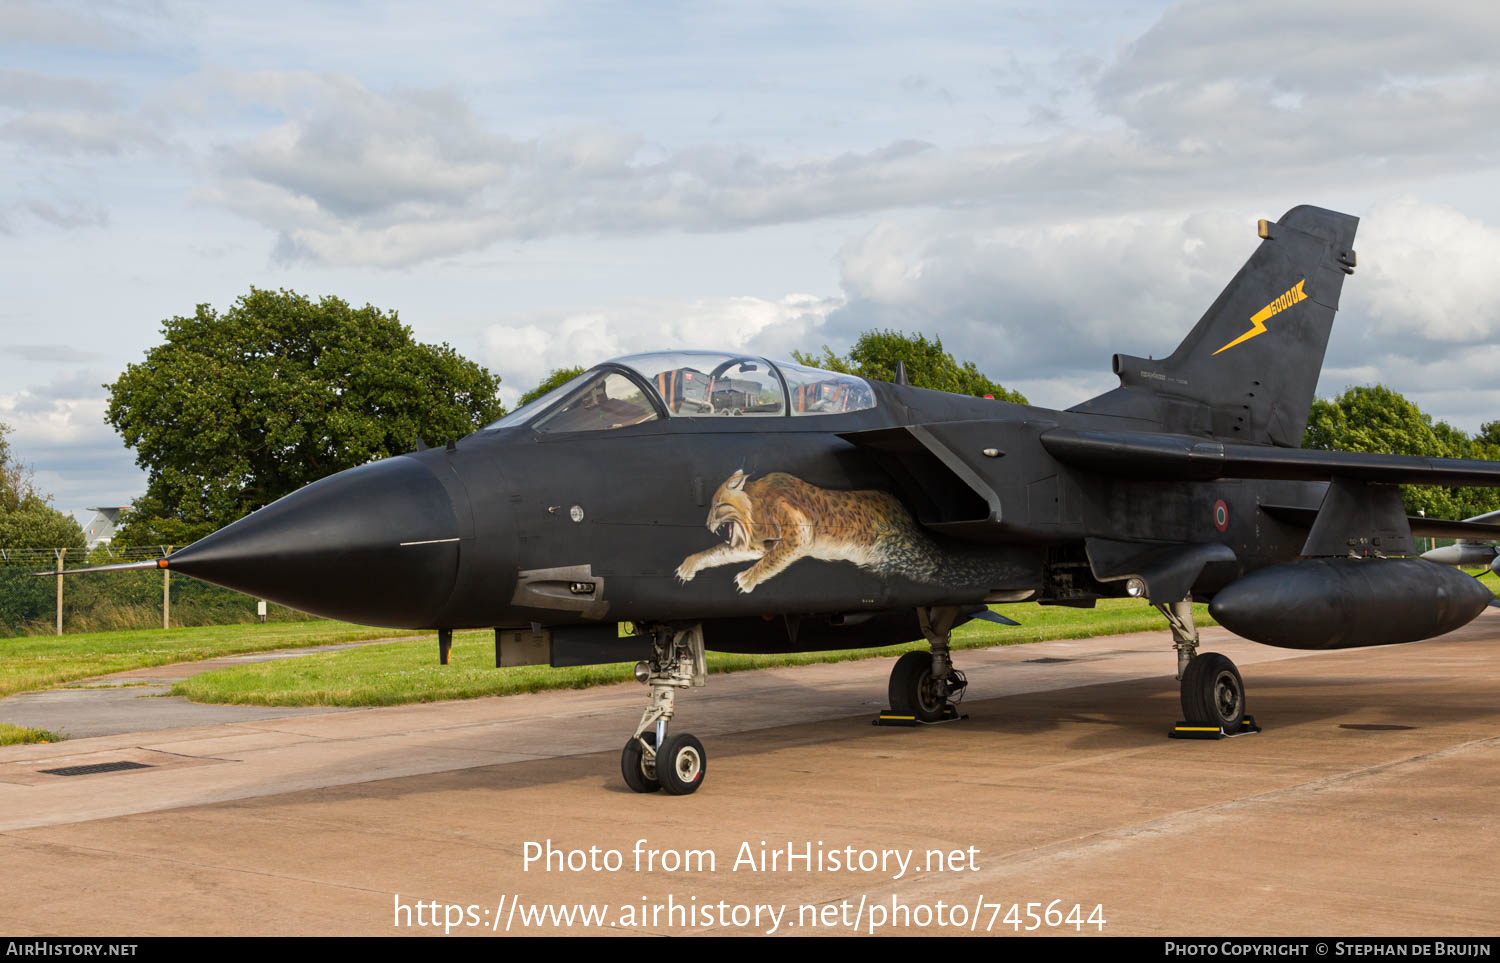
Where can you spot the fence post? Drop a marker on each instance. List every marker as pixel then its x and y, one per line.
pixel 166 591
pixel 60 553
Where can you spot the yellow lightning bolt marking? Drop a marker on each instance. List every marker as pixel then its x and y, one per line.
pixel 1258 319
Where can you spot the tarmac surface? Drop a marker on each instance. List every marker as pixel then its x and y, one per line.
pixel 1368 806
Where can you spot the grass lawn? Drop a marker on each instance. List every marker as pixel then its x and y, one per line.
pixel 18 735
pixel 40 661
pixel 408 671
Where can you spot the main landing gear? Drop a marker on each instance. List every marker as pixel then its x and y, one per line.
pixel 924 686
pixel 1213 694
pixel 654 759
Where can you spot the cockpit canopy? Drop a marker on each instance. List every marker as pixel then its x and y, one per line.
pixel 690 384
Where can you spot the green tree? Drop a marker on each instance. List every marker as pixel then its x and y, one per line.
pixel 27 518
pixel 235 410
pixel 1374 418
pixel 558 378
pixel 875 353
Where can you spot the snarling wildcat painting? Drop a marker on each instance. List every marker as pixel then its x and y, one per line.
pixel 777 519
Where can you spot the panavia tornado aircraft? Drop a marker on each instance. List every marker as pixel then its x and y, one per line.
pixel 1471 552
pixel 726 502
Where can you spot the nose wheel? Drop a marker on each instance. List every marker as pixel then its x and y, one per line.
pixel 638 763
pixel 652 758
pixel 681 764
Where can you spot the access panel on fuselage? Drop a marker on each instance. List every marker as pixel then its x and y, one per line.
pixel 1225 511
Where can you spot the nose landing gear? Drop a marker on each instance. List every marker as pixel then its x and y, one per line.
pixel 652 759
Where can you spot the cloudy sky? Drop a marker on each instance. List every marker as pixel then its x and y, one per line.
pixel 542 184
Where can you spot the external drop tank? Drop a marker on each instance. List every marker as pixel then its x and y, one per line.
pixel 1342 603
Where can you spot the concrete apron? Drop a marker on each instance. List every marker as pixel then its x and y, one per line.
pixel 1365 807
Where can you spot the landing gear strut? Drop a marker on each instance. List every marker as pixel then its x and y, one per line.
pixel 924 685
pixel 653 759
pixel 1213 694
pixel 1184 632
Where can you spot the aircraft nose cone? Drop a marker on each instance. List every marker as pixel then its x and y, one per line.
pixel 378 544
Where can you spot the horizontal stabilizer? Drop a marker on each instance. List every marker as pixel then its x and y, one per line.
pixel 1165 457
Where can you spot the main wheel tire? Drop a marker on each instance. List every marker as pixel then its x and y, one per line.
pixel 1213 694
pixel 681 764
pixel 912 689
pixel 639 772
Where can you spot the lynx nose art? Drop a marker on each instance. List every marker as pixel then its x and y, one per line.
pixel 779 518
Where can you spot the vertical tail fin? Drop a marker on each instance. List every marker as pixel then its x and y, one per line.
pixel 1248 370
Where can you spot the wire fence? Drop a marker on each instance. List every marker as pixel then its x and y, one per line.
pixel 99 555
pixel 110 601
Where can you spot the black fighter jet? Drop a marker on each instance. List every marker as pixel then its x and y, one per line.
pixel 724 501
pixel 1470 551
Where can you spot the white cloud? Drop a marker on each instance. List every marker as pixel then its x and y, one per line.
pixel 1055 299
pixel 1459 387
pixel 54 24
pixel 352 176
pixel 80 132
pixel 67 410
pixel 25 89
pixel 1371 91
pixel 472 170
pixel 65 213
pixel 1429 274
pixel 1295 46
pixel 358 154
pixel 1203 108
pixel 1043 307
pixel 51 352
pixel 58 431
pixel 524 352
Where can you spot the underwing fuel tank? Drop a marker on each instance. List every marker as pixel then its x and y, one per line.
pixel 1340 603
